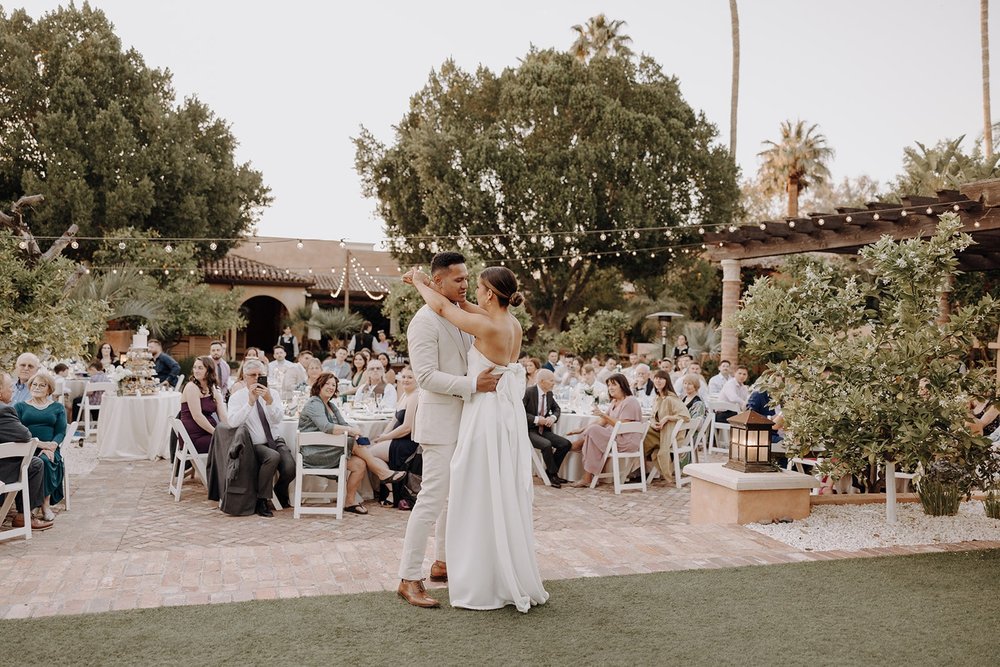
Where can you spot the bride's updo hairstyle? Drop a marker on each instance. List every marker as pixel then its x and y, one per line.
pixel 502 281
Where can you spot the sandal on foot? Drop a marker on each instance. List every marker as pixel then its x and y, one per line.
pixel 356 509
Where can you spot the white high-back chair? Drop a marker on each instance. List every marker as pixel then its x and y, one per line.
pixel 86 408
pixel 704 434
pixel 23 451
pixel 617 470
pixel 180 383
pixel 185 452
pixel 715 443
pixel 539 463
pixel 340 472
pixel 66 443
pixel 683 442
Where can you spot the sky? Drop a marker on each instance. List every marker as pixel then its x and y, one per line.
pixel 297 79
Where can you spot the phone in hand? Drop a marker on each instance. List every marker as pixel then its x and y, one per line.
pixel 363 441
pixel 262 380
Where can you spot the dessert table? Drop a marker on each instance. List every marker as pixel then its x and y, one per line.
pixel 133 428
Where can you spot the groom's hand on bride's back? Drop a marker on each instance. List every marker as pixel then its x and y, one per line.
pixel 487 381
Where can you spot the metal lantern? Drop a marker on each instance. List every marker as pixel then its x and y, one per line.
pixel 664 317
pixel 750 443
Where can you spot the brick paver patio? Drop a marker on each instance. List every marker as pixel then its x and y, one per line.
pixel 126 544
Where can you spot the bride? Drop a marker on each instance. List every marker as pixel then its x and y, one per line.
pixel 490 539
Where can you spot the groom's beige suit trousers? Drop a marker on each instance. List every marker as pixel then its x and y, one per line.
pixel 439 358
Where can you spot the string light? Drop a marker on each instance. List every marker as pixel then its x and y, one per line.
pixel 168 248
pixel 74 245
pixel 213 246
pixel 257 247
pixel 121 245
pixel 299 244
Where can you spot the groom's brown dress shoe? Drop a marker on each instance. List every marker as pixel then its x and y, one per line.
pixel 439 571
pixel 414 593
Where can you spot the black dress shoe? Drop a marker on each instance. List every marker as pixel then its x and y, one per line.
pixel 263 509
pixel 555 483
pixel 557 478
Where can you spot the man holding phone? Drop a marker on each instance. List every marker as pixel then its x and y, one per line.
pixel 259 408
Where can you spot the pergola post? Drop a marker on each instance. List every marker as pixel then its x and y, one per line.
pixel 731 287
pixel 944 300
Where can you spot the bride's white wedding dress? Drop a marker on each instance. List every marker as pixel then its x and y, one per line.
pixel 490 538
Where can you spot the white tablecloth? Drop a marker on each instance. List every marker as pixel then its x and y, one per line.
pixel 572 467
pixel 132 428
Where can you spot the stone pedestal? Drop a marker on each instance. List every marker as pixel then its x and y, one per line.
pixel 721 495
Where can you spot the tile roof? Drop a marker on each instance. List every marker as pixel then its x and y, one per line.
pixel 240 270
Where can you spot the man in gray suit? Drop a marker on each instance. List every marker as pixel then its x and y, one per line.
pixel 12 430
pixel 438 356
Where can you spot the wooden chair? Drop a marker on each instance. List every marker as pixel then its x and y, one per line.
pixel 23 451
pixel 185 452
pixel 340 472
pixel 617 471
pixel 64 445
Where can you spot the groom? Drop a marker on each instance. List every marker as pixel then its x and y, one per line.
pixel 438 356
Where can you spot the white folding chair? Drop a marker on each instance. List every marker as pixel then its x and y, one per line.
pixel 340 472
pixel 66 443
pixel 720 427
pixel 23 451
pixel 185 452
pixel 704 434
pixel 685 432
pixel 86 408
pixel 539 463
pixel 617 471
pixel 180 382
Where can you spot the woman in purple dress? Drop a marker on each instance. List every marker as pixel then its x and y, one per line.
pixel 201 399
pixel 594 440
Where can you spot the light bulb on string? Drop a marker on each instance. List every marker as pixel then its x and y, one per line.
pixel 140 272
pixel 23 245
pixel 701 230
pixel 257 247
pixel 344 245
pixel 166 272
pixel 121 245
pixel 170 248
pixel 604 237
pixel 213 246
pixel 299 244
pixel 74 245
pixel 114 271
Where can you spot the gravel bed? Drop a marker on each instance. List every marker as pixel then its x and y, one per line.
pixel 853 527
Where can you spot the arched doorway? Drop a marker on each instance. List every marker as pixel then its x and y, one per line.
pixel 264 315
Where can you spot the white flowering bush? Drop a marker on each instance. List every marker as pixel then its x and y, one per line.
pixel 863 371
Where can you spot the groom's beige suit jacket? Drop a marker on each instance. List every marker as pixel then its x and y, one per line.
pixel 439 358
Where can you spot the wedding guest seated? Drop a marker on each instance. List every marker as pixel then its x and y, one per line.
pixel 572 376
pixel 167 370
pixel 589 385
pixel 734 391
pixel 24 369
pixel 680 368
pixel 106 355
pixel 60 373
pixel 254 354
pixel 719 380
pixel 694 368
pixel 531 368
pixel 665 364
pixel 259 408
pixel 46 419
pixel 381 343
pixel 642 386
pixel 668 409
pixel 375 388
pixel 12 430
pixel 202 405
pixel 95 373
pixel 552 360
pixel 760 402
pixel 321 415
pixel 692 400
pixel 282 373
pixel 390 375
pixel 629 372
pixel 338 364
pixel 358 364
pixel 594 441
pixel 313 370
pixel 543 412
pixel 609 369
pixel 395 445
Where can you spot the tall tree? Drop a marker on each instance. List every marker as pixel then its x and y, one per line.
pixel 795 162
pixel 546 164
pixel 599 38
pixel 94 129
pixel 984 40
pixel 734 97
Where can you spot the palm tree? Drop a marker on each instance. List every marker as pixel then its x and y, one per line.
pixel 984 40
pixel 795 162
pixel 127 295
pixel 335 323
pixel 734 97
pixel 599 38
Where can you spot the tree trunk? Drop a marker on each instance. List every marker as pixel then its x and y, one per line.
pixel 984 39
pixel 793 196
pixel 734 97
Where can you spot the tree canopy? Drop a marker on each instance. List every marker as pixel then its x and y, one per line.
pixel 544 165
pixel 93 128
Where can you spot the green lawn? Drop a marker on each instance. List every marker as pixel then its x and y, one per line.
pixel 936 609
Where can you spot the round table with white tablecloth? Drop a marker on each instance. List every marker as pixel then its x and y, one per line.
pixel 572 467
pixel 133 428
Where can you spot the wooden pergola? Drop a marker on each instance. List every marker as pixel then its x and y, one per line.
pixel 849 229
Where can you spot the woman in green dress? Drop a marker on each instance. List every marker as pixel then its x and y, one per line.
pixel 46 419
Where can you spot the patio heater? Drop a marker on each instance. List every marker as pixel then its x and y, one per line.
pixel 663 317
pixel 750 443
